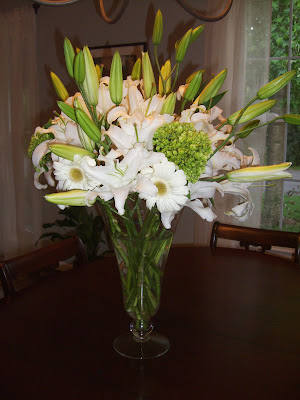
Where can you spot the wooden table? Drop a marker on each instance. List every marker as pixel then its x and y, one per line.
pixel 233 320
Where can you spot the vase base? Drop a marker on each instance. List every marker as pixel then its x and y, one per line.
pixel 156 346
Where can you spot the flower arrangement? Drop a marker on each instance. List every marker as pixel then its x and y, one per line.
pixel 145 150
pixel 117 137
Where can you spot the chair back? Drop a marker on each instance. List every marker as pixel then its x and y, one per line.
pixel 38 260
pixel 264 238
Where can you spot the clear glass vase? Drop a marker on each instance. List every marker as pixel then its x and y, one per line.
pixel 141 245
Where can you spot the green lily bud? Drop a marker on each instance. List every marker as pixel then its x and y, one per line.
pixel 252 112
pixel 88 125
pixel 212 88
pixel 293 119
pixel 85 140
pixel 116 79
pixel 68 152
pixel 169 104
pixel 90 84
pixel 165 71
pixel 182 46
pixel 69 56
pixel 148 76
pixel 189 78
pixel 99 70
pixel 136 70
pixel 274 86
pixel 68 110
pixel 196 32
pixel 157 29
pixel 247 129
pixel 70 198
pixel 254 174
pixel 61 91
pixel 79 67
pixel 193 87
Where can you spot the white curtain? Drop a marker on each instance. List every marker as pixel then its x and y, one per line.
pixel 20 202
pixel 240 42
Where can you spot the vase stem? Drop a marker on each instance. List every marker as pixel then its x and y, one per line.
pixel 141 330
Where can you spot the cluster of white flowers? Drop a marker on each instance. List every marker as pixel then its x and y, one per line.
pixel 132 165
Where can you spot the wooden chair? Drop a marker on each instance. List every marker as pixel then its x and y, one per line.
pixel 262 238
pixel 33 263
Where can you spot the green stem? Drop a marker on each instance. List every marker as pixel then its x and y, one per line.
pixel 176 76
pixel 159 71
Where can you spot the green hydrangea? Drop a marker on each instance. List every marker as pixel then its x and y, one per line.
pixel 184 146
pixel 37 139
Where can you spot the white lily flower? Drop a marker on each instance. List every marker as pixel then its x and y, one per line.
pixel 204 212
pixel 245 209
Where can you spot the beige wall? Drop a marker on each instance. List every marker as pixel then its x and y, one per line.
pixel 82 24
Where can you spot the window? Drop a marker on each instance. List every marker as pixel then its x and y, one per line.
pixel 281 209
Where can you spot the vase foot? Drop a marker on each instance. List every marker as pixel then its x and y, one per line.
pixel 156 346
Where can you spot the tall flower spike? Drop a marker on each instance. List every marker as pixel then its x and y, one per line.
pixel 68 152
pixel 212 88
pixel 148 76
pixel 79 67
pixel 69 56
pixel 136 70
pixel 157 29
pixel 182 46
pixel 71 198
pixel 116 79
pixel 252 112
pixel 165 72
pixel 90 83
pixel 61 91
pixel 254 174
pixel 274 86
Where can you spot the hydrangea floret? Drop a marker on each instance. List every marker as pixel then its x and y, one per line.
pixel 184 146
pixel 37 139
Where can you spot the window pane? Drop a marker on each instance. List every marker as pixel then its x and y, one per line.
pixel 296 28
pixel 291 207
pixel 280 28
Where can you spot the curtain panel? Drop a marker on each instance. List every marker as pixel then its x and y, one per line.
pixel 20 202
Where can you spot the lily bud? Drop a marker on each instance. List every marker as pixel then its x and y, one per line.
pixel 189 78
pixel 85 140
pixel 169 104
pixel 69 56
pixel 68 152
pixel 274 86
pixel 247 129
pixel 79 67
pixel 88 125
pixel 182 46
pixel 116 79
pixel 252 112
pixel 70 198
pixel 68 110
pixel 157 29
pixel 293 119
pixel 136 70
pixel 196 32
pixel 165 71
pixel 193 87
pixel 61 91
pixel 148 76
pixel 99 70
pixel 212 88
pixel 90 84
pixel 254 174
